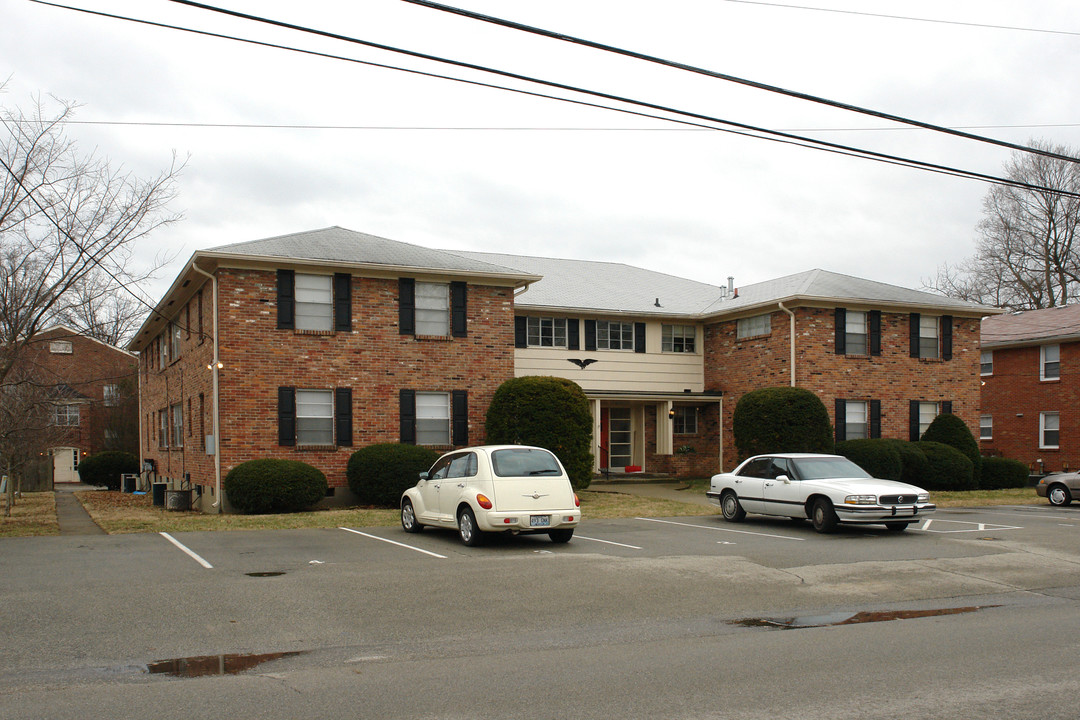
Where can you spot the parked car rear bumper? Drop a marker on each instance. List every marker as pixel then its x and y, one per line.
pixel 522 521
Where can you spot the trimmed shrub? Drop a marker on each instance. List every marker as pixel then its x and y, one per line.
pixel 274 486
pixel 947 468
pixel 105 468
pixel 781 419
pixel 548 412
pixel 999 472
pixel 378 474
pixel 880 458
pixel 913 463
pixel 954 432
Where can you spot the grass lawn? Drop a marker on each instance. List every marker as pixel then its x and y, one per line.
pixel 32 514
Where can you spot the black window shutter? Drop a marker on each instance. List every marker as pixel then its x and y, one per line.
pixel 840 322
pixel 946 337
pixel 639 337
pixel 406 307
pixel 343 416
pixel 286 295
pixel 459 413
pixel 573 341
pixel 841 420
pixel 458 310
pixel 521 331
pixel 342 302
pixel 875 418
pixel 914 334
pixel 875 332
pixel 946 407
pixel 286 402
pixel 913 420
pixel 408 416
pixel 590 334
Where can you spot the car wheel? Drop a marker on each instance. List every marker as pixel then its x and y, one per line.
pixel 732 509
pixel 561 536
pixel 408 518
pixel 470 533
pixel 1059 495
pixel 823 516
pixel 897 526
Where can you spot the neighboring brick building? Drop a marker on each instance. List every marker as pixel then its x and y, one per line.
pixel 92 389
pixel 1030 370
pixel 332 339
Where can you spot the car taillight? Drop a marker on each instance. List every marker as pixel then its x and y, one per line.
pixel 577 502
pixel 483 502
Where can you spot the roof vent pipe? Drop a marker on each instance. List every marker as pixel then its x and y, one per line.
pixel 731 284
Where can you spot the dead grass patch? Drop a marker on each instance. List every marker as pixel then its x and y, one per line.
pixel 32 514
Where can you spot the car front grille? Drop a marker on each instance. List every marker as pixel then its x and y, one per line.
pixel 897 499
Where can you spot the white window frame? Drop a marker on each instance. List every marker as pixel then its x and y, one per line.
pixel 622 332
pixel 163 349
pixel 986 427
pixel 685 421
pixel 163 428
pixel 432 418
pixel 929 337
pixel 65 415
pixel 61 347
pixel 175 334
pixel 314 417
pixel 755 326
pixel 856 332
pixel 110 395
pixel 176 413
pixel 859 411
pixel 1049 362
pixel 678 338
pixel 1049 422
pixel 924 412
pixel 432 309
pixel 545 331
pixel 313 297
pixel 986 357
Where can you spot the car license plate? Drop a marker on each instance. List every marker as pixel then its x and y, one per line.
pixel 539 520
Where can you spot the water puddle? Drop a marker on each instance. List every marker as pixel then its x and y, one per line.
pixel 203 665
pixel 851 618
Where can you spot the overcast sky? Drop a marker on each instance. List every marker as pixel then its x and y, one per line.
pixel 455 166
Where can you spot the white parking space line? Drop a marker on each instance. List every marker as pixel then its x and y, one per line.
pixel 606 542
pixel 719 529
pixel 1032 514
pixel 191 553
pixel 393 542
pixel 979 527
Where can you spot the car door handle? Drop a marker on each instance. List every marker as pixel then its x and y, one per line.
pixel 461 485
pixel 768 484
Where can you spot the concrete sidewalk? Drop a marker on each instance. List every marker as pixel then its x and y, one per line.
pixel 70 514
pixel 665 490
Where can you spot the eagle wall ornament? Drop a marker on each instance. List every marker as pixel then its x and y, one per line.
pixel 582 363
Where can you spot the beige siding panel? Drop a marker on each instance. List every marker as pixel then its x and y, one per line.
pixel 618 371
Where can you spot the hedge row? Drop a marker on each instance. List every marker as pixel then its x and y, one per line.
pixel 932 465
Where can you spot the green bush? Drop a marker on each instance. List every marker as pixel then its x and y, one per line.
pixel 378 474
pixel 105 468
pixel 781 419
pixel 880 458
pixel 548 412
pixel 999 472
pixel 947 468
pixel 913 463
pixel 954 432
pixel 274 486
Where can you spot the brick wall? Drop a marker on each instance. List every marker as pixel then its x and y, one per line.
pixel 703 461
pixel 1014 396
pixel 739 366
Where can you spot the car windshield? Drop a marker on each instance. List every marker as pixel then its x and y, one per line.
pixel 828 467
pixel 522 462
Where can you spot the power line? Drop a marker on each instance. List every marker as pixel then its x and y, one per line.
pixel 904 17
pixel 720 76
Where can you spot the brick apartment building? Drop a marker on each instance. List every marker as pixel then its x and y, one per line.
pixel 1030 372
pixel 331 339
pixel 92 389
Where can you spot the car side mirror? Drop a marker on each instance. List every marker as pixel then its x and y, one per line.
pixel 425 475
pixel 784 479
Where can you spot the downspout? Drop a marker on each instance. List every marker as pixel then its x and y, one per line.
pixel 792 341
pixel 215 366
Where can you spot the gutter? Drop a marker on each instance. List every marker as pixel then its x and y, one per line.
pixel 791 341
pixel 215 367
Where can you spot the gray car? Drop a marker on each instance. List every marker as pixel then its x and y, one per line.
pixel 1059 488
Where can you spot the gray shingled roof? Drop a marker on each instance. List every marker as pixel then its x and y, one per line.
pixel 1031 327
pixel 338 245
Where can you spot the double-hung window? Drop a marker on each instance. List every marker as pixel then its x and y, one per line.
pixel 1050 362
pixel 1049 430
pixel 855 333
pixel 754 326
pixel 177 425
pixel 927 412
pixel 314 417
pixel 678 338
pixel 65 415
pixel 856 420
pixel 612 335
pixel 929 344
pixel 163 348
pixel 986 362
pixel 314 302
pixel 986 427
pixel 175 331
pixel 163 428
pixel 111 395
pixel 432 309
pixel 432 418
pixel 546 332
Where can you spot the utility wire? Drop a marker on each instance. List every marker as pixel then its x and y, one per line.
pixel 784 137
pixel 720 76
pixel 904 17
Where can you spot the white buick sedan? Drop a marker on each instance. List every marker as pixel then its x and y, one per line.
pixel 828 489
pixel 495 488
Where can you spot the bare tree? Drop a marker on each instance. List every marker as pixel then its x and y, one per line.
pixel 97 310
pixel 27 425
pixel 68 224
pixel 1028 252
